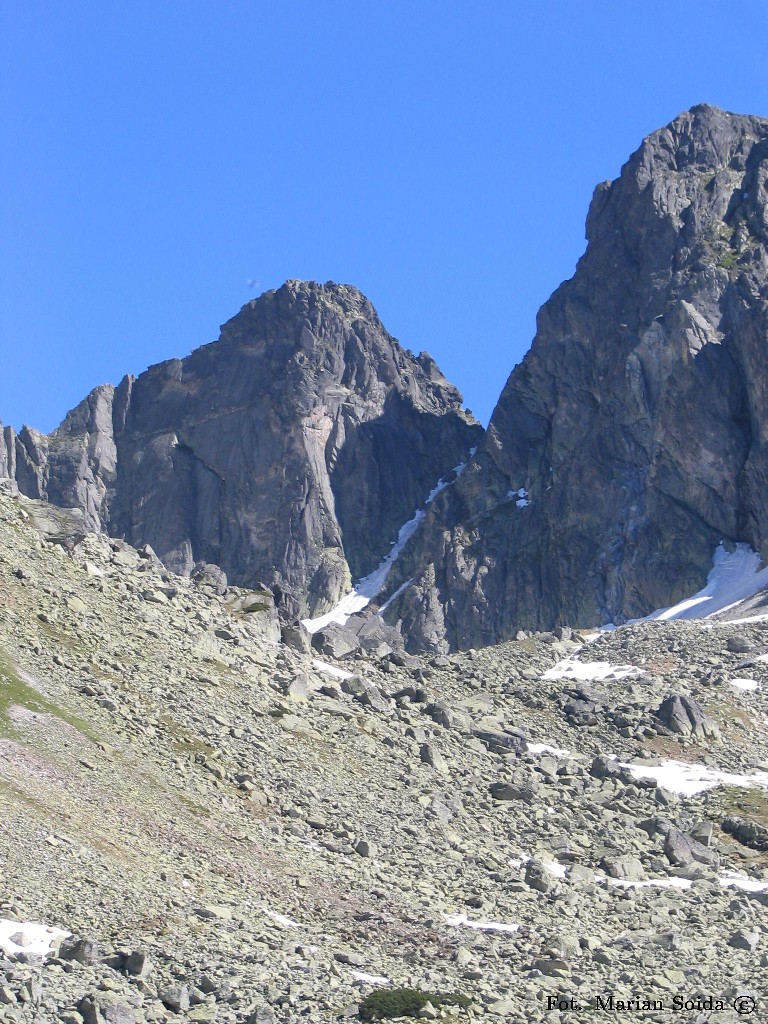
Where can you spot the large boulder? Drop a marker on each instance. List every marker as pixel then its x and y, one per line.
pixel 686 717
pixel 335 641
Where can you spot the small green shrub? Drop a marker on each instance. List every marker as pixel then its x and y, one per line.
pixel 386 1003
pixel 730 259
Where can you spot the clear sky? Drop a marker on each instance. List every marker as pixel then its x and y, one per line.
pixel 159 155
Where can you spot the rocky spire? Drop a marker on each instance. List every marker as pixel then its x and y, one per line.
pixel 288 452
pixel 636 424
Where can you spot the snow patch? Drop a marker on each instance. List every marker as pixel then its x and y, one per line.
pixel 370 979
pixel 544 748
pixel 371 585
pixel 553 866
pixel 572 668
pixel 727 878
pixel 740 881
pixel 280 918
pixel 331 670
pixel 648 883
pixel 744 684
pixel 462 921
pixel 439 486
pixel 747 618
pixel 442 483
pixel 522 497
pixel 403 587
pixel 687 779
pixel 735 576
pixel 28 937
pixel 368 587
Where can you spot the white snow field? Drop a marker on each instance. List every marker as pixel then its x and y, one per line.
pixel 544 748
pixel 572 668
pixel 286 922
pixel 735 576
pixel 28 937
pixel 370 979
pixel 744 684
pixel 462 921
pixel 726 879
pixel 687 779
pixel 330 670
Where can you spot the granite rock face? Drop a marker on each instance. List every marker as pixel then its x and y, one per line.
pixel 633 437
pixel 289 452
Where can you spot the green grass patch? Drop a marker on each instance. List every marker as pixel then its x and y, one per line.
pixel 184 744
pixel 14 691
pixel 387 1003
pixel 743 803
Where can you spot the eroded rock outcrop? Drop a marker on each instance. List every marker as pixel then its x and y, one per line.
pixel 632 438
pixel 289 452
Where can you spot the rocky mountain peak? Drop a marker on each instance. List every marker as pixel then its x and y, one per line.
pixel 635 424
pixel 325 331
pixel 289 452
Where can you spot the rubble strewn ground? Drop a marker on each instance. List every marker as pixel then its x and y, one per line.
pixel 231 833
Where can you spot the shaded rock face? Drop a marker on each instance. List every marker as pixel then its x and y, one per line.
pixel 637 425
pixel 288 452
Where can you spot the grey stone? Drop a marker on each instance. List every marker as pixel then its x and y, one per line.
pixel 175 997
pixel 365 848
pixel 684 715
pixel 262 1015
pixel 106 1008
pixel 137 964
pixel 604 767
pixel 296 637
pixel 683 850
pixel 744 940
pixel 84 950
pixel 501 742
pixel 748 833
pixel 625 867
pixel 538 877
pixel 207 575
pixel 739 644
pixel 298 687
pixel 431 756
pixel 551 967
pixel 523 789
pixel 335 641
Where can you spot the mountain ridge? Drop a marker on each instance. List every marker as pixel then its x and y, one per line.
pixel 634 422
pixel 624 448
pixel 287 452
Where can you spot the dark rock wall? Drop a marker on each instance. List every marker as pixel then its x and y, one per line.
pixel 637 422
pixel 287 452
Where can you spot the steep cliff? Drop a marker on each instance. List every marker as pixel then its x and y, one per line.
pixel 288 452
pixel 636 426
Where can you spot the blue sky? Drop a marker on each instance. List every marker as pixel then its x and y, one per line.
pixel 157 156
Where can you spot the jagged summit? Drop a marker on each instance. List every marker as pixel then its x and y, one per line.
pixel 636 422
pixel 289 452
pixel 628 444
